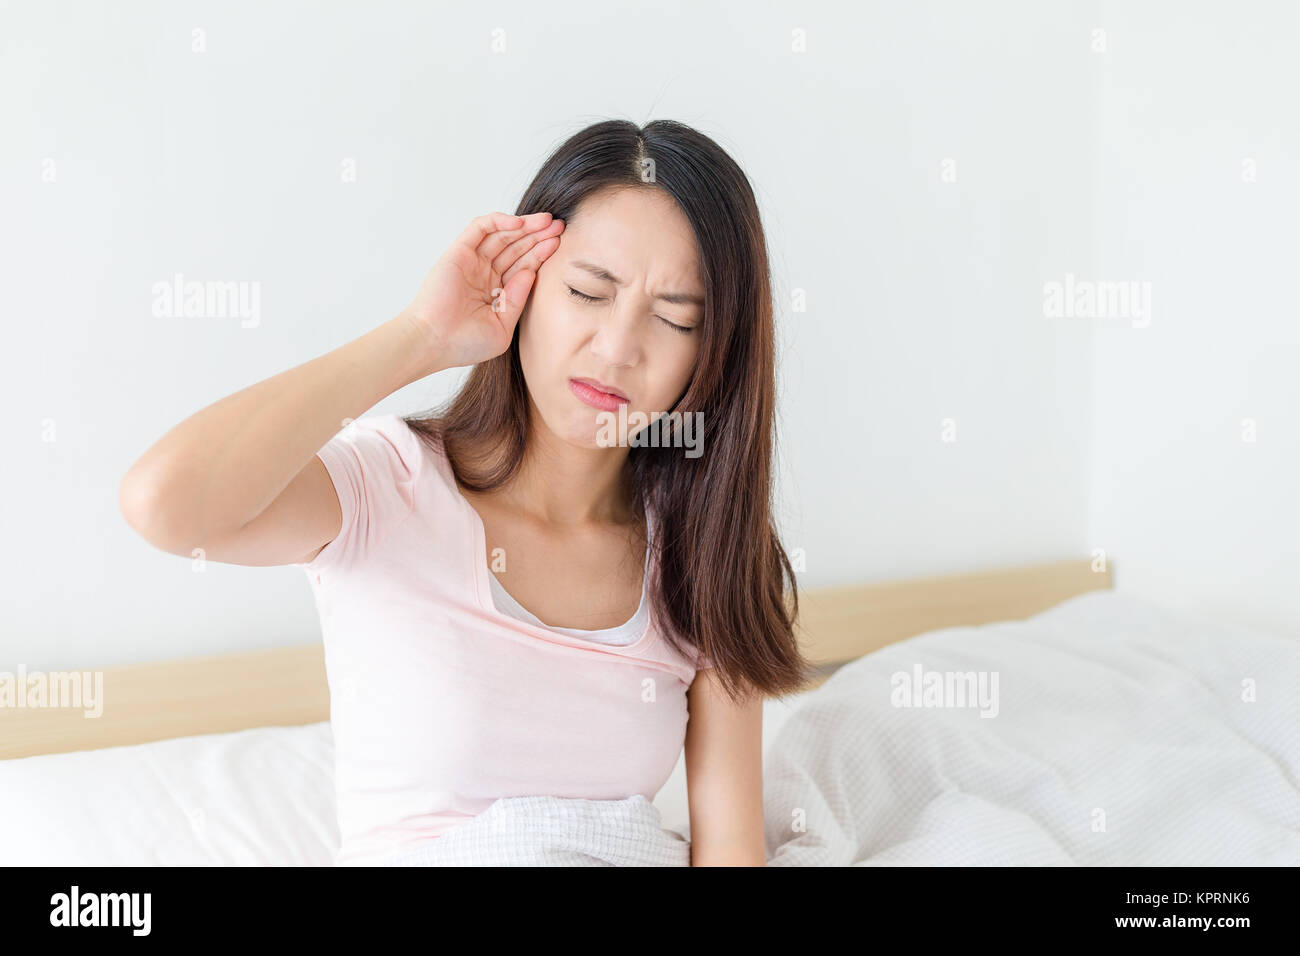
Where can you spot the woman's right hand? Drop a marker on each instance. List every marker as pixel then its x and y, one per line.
pixel 470 301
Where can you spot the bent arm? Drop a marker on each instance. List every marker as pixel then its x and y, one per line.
pixel 240 478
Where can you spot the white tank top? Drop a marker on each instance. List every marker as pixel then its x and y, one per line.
pixel 626 633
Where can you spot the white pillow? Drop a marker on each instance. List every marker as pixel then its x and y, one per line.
pixel 255 797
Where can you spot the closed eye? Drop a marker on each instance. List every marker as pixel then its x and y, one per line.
pixel 582 295
pixel 684 329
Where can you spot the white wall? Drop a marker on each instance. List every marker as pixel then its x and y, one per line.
pixel 1198 516
pixel 923 296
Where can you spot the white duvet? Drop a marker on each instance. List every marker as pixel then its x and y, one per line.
pixel 1122 735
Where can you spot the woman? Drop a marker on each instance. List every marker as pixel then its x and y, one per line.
pixel 530 591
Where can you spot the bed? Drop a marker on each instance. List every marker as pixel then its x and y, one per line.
pixel 1021 716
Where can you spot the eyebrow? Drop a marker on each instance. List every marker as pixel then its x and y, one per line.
pixel 676 298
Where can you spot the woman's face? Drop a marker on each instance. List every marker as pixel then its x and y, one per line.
pixel 632 253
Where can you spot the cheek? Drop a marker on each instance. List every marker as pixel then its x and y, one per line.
pixel 543 331
pixel 674 374
pixel 533 329
pixel 688 358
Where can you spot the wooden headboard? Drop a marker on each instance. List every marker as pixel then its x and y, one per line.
pixel 287 686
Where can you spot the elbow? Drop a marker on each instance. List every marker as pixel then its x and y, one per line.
pixel 140 499
pixel 136 500
pixel 133 500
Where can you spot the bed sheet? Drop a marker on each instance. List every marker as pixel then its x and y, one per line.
pixel 1123 734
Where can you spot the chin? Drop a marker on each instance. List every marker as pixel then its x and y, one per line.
pixel 575 428
pixel 585 436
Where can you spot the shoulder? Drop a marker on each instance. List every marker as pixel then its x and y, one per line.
pixel 386 441
pixel 410 455
pixel 376 464
pixel 391 427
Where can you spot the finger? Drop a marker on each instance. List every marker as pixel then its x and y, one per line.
pixel 481 227
pixel 492 245
pixel 511 254
pixel 513 297
pixel 533 259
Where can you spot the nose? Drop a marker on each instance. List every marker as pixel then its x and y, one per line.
pixel 617 340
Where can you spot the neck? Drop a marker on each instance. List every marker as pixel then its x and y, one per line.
pixel 562 484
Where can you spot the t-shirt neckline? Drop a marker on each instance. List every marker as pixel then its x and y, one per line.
pixel 483 590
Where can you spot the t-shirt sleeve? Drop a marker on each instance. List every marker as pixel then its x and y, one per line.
pixel 374 463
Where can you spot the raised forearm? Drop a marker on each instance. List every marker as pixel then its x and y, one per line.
pixel 219 468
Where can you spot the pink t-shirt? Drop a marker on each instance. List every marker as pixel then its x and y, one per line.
pixel 440 703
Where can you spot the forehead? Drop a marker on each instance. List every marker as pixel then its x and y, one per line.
pixel 639 235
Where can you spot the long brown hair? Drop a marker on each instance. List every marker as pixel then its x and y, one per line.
pixel 722 572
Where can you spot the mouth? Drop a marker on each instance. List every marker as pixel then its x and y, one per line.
pixel 597 395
